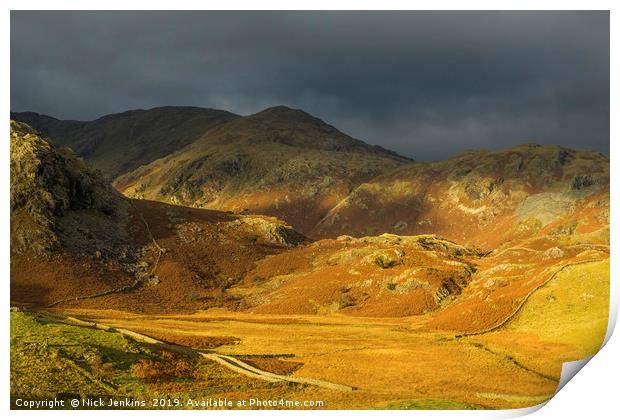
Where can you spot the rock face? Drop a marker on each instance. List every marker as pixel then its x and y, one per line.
pixel 280 162
pixel 119 143
pixel 481 198
pixel 70 230
pixel 57 200
pixel 273 231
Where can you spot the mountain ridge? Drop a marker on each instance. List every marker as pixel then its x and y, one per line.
pixel 117 143
pixel 482 198
pixel 286 163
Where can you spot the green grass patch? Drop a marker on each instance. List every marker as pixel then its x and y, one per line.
pixel 55 360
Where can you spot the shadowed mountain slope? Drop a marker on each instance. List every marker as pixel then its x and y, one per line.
pixel 118 143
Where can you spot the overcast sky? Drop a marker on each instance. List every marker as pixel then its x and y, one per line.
pixel 425 84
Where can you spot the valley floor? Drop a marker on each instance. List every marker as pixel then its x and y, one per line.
pixel 389 362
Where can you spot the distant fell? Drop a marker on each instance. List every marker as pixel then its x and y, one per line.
pixel 279 162
pixel 121 142
pixel 483 198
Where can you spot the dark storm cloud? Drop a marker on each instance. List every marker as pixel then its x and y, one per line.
pixel 426 84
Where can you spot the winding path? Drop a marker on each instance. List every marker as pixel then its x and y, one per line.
pixel 229 362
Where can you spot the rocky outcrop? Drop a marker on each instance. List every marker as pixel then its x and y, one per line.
pixel 270 231
pixel 57 200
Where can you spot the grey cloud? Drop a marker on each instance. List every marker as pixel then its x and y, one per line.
pixel 426 84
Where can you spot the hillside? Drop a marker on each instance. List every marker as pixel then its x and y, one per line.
pixel 119 143
pixel 387 275
pixel 280 162
pixel 459 288
pixel 74 236
pixel 481 198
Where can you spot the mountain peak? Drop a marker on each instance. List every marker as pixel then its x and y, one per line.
pixel 281 108
pixel 286 114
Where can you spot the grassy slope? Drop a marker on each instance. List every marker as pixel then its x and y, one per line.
pixel 49 359
pixel 431 405
pixel 572 309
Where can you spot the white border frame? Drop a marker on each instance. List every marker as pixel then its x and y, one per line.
pixel 592 395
